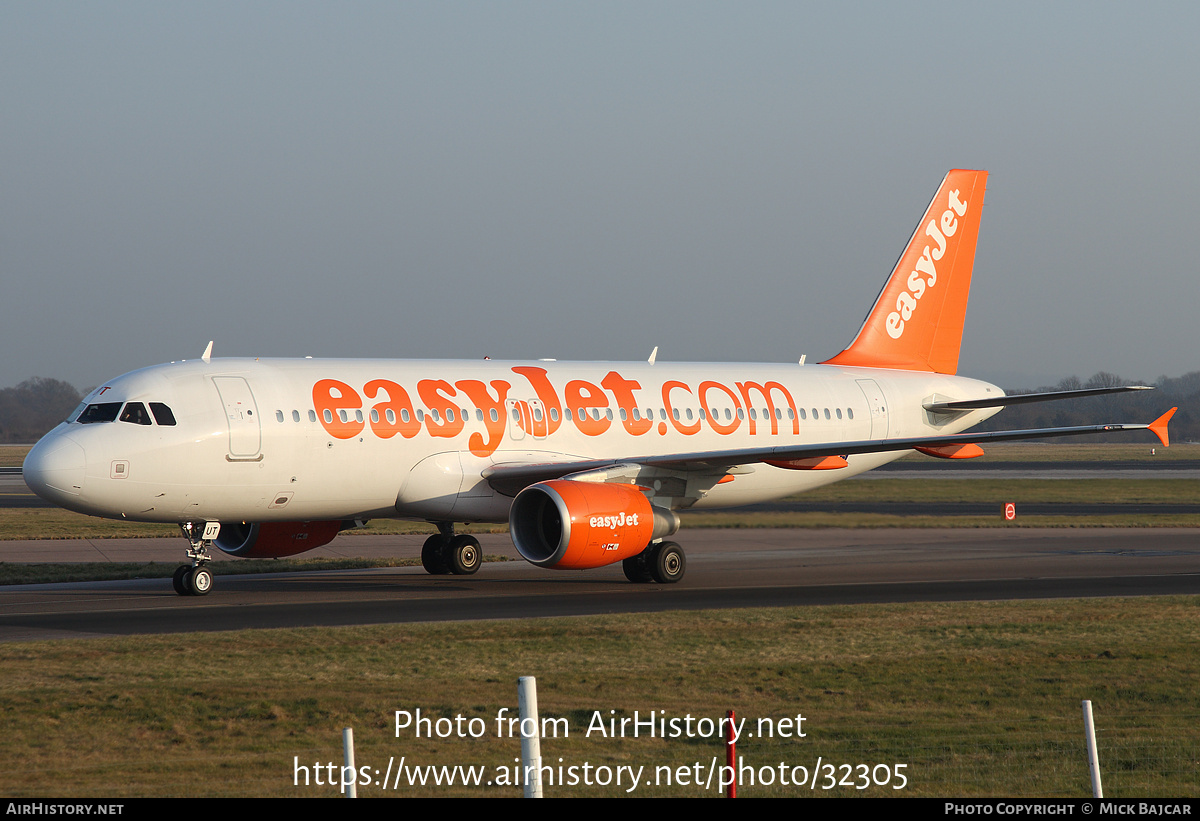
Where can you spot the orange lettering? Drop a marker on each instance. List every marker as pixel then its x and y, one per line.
pixel 545 393
pixel 713 422
pixel 400 406
pixel 478 393
pixel 667 387
pixel 583 396
pixel 436 393
pixel 330 398
pixel 623 389
pixel 765 390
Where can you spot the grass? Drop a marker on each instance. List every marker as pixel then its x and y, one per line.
pixel 53 523
pixel 976 699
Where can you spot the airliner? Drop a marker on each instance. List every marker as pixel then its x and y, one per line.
pixel 588 462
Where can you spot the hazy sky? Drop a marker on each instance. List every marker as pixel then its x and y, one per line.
pixel 588 180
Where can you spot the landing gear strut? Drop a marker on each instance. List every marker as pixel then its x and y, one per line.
pixel 661 562
pixel 446 552
pixel 196 579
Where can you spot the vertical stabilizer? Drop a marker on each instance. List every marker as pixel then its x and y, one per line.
pixel 917 322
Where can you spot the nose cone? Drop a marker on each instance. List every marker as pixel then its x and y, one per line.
pixel 54 469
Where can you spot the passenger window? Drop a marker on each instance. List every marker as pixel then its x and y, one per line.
pixel 390 415
pixel 839 413
pixel 135 412
pixel 495 416
pixel 850 412
pixel 278 416
pixel 162 414
pixel 553 414
pixel 312 416
pixel 375 415
pixel 295 414
pixel 102 412
pixel 827 413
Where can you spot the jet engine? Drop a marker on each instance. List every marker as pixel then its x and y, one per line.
pixel 572 525
pixel 273 540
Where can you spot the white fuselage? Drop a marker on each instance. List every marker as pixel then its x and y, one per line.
pixel 304 440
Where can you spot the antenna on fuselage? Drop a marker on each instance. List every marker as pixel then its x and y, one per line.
pixel 207 355
pixel 653 355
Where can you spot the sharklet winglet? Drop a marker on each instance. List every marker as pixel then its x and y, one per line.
pixel 1159 427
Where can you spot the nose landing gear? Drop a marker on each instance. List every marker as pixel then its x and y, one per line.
pixel 196 579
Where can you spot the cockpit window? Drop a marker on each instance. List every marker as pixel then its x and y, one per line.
pixel 162 414
pixel 100 412
pixel 135 412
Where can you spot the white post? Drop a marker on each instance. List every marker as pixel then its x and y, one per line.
pixel 531 745
pixel 350 789
pixel 1089 730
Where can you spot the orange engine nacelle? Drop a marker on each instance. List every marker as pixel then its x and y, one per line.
pixel 571 525
pixel 273 540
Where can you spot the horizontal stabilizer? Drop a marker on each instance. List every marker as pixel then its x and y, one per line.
pixel 1026 398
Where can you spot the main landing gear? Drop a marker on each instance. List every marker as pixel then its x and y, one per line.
pixel 661 562
pixel 446 552
pixel 195 579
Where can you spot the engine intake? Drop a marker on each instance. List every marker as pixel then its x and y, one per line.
pixel 572 525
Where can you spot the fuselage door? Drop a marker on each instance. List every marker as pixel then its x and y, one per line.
pixel 878 406
pixel 245 430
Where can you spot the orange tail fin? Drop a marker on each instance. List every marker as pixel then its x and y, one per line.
pixel 917 322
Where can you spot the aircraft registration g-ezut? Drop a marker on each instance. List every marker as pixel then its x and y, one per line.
pixel 586 461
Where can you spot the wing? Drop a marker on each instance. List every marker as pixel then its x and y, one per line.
pixel 511 479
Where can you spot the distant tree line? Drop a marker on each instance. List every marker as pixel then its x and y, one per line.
pixel 1135 407
pixel 36 405
pixel 32 408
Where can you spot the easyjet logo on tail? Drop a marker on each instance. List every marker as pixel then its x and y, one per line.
pixel 916 323
pixel 924 274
